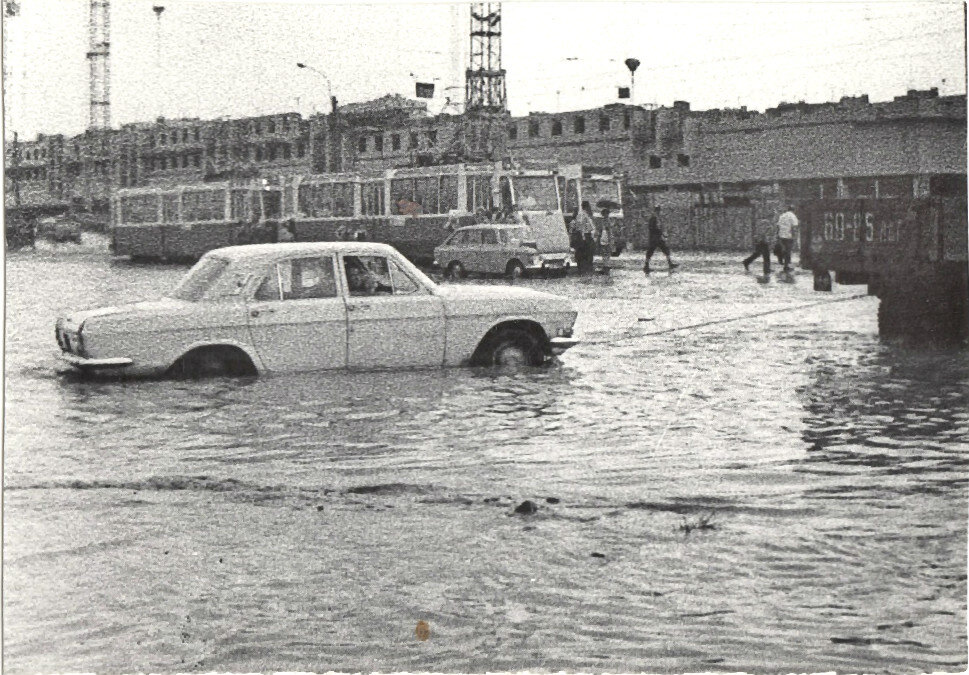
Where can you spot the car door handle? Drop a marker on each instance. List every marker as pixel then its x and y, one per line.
pixel 256 312
pixel 359 305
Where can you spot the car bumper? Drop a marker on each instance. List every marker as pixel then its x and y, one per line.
pixel 83 363
pixel 550 264
pixel 560 344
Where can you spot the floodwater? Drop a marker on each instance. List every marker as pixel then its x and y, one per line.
pixel 782 492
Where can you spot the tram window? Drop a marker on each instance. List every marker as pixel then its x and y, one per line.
pixel 449 193
pixel 343 199
pixel 425 193
pixel 373 199
pixel 401 192
pixel 505 186
pixel 170 208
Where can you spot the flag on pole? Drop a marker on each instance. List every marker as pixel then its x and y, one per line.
pixel 623 92
pixel 12 8
pixel 425 90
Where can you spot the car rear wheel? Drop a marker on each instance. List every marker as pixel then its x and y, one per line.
pixel 514 269
pixel 514 348
pixel 456 270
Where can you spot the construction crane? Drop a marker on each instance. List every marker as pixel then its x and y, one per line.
pixel 98 56
pixel 485 78
pixel 481 134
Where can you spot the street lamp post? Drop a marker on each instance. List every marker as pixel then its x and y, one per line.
pixel 329 87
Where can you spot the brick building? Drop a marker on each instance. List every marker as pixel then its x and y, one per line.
pixel 713 170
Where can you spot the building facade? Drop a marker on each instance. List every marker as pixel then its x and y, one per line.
pixel 712 164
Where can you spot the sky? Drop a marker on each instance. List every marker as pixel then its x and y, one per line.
pixel 211 58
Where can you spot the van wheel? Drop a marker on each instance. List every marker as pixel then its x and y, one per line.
pixel 515 270
pixel 456 270
pixel 514 348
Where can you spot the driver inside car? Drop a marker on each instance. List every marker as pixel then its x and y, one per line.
pixel 361 280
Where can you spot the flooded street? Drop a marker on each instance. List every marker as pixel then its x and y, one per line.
pixel 782 492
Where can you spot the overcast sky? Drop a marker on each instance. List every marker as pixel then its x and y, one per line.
pixel 220 57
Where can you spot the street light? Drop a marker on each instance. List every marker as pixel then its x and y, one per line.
pixel 329 88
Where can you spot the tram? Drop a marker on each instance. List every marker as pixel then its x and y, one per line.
pixel 412 209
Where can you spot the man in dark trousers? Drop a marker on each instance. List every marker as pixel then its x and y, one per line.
pixel 762 246
pixel 656 241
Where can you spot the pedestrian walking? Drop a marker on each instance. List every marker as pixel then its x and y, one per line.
pixel 787 225
pixel 583 230
pixel 762 246
pixel 604 237
pixel 657 241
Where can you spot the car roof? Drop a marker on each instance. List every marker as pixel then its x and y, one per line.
pixel 254 251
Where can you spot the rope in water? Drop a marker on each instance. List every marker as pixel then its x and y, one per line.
pixel 751 316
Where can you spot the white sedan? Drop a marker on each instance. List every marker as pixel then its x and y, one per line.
pixel 312 306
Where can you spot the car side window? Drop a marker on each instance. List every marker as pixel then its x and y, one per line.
pixel 403 284
pixel 367 275
pixel 489 237
pixel 310 278
pixel 269 288
pixel 299 279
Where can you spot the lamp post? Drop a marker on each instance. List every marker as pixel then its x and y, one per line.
pixel 632 64
pixel 329 87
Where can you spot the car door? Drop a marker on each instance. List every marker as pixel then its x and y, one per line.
pixel 298 317
pixel 492 253
pixel 393 321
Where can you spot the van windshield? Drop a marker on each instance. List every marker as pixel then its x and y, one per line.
pixel 536 193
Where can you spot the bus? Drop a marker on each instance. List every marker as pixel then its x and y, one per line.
pixel 413 209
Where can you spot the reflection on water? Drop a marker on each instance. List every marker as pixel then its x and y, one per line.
pixel 307 522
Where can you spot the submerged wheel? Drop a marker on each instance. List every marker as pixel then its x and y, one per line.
pixel 514 269
pixel 213 362
pixel 456 270
pixel 515 348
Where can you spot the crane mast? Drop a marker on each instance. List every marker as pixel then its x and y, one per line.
pixel 98 56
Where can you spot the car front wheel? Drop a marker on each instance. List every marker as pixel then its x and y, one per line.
pixel 514 269
pixel 515 348
pixel 456 270
pixel 213 362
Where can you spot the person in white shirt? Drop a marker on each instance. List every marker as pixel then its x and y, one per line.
pixel 786 227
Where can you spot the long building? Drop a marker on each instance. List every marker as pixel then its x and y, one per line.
pixel 706 167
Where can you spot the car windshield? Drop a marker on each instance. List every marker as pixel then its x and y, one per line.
pixel 536 193
pixel 203 276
